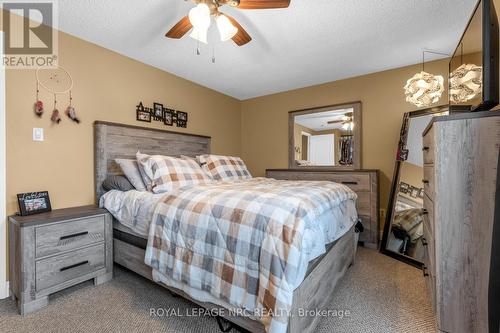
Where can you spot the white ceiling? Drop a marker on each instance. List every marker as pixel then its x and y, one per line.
pixel 311 42
pixel 319 121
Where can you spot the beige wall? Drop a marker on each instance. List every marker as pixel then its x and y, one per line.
pixel 297 134
pixel 107 86
pixel 264 120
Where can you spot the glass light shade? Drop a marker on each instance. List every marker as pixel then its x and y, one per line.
pixel 345 126
pixel 466 82
pixel 424 89
pixel 199 17
pixel 226 29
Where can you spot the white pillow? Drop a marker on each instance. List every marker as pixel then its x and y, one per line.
pixel 131 170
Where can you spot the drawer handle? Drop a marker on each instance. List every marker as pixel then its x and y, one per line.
pixel 425 149
pixel 73 266
pixel 424 241
pixel 425 181
pixel 424 270
pixel 349 183
pixel 74 235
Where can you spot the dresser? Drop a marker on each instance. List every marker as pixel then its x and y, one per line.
pixel 460 155
pixel 364 182
pixel 55 250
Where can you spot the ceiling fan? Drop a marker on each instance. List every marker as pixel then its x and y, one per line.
pixel 199 19
pixel 346 121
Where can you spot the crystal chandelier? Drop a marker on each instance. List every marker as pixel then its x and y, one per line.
pixel 466 83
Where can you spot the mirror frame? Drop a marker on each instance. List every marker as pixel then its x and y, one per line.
pixel 395 182
pixel 356 106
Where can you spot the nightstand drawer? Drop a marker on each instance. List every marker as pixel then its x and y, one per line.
pixel 73 234
pixel 65 267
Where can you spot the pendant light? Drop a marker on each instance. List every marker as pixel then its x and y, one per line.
pixel 466 82
pixel 424 89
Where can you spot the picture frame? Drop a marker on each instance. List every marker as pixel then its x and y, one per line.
pixel 158 111
pixel 33 203
pixel 168 117
pixel 414 192
pixel 182 118
pixel 143 115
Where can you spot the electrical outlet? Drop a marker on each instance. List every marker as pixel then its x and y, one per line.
pixel 37 134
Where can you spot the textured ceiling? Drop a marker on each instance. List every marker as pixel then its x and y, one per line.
pixel 312 42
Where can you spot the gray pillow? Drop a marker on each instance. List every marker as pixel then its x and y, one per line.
pixel 131 170
pixel 119 183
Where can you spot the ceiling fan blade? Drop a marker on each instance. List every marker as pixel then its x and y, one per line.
pixel 242 37
pixel 180 29
pixel 263 4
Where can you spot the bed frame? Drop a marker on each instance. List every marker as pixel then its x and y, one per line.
pixel 123 141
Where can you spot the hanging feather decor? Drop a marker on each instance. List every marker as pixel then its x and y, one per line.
pixel 70 110
pixel 38 103
pixel 56 118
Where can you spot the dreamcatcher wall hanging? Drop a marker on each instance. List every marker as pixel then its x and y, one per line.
pixel 56 81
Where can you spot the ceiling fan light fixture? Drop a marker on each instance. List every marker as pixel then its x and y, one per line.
pixel 226 29
pixel 199 17
pixel 199 35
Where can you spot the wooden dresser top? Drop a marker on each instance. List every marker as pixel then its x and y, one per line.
pixel 58 215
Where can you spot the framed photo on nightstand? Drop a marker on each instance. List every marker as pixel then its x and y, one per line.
pixel 33 203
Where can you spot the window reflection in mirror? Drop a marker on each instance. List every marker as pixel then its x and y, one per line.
pixel 325 138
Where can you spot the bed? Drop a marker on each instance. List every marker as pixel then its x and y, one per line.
pixel 123 141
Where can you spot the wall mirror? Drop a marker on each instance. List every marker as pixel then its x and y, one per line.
pixel 325 137
pixel 403 231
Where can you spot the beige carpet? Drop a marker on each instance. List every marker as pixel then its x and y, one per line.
pixel 381 294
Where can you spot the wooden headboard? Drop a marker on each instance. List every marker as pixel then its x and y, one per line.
pixel 113 140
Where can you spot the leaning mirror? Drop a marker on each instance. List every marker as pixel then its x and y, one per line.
pixel 403 231
pixel 326 137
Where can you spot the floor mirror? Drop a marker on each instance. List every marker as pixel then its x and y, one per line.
pixel 403 230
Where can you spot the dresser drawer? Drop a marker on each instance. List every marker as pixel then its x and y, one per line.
pixel 65 267
pixel 355 181
pixel 429 249
pixel 429 181
pixel 363 203
pixel 429 213
pixel 430 281
pixel 56 238
pixel 428 147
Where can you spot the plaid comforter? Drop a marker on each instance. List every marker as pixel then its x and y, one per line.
pixel 241 242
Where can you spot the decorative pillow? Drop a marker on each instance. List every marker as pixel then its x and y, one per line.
pixel 167 172
pixel 119 183
pixel 131 170
pixel 145 169
pixel 224 167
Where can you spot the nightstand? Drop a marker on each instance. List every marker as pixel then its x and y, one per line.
pixel 55 250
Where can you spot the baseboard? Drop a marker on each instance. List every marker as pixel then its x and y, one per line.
pixel 5 291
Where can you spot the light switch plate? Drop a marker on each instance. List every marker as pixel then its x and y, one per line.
pixel 37 134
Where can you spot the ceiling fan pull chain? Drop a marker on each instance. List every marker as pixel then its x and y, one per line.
pixel 198 51
pixel 213 54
